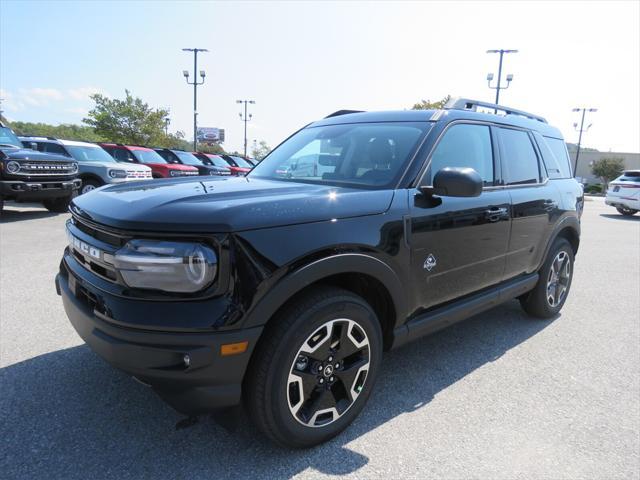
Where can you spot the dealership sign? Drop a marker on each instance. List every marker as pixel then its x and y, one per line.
pixel 210 135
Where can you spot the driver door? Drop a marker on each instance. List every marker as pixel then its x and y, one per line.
pixel 459 245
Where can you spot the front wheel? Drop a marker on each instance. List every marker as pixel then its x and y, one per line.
pixel 550 293
pixel 627 212
pixel 315 367
pixel 88 185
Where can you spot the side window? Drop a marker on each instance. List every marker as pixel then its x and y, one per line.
pixel 121 155
pixel 55 148
pixel 519 160
pixel 465 145
pixel 559 150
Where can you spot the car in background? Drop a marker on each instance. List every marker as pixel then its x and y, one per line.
pixel 308 166
pixel 214 160
pixel 30 176
pixel 624 193
pixel 237 164
pixel 96 167
pixel 181 157
pixel 160 168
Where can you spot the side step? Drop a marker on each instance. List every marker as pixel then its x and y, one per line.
pixel 442 317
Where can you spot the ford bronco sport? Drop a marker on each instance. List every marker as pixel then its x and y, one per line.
pixel 147 156
pixel 30 176
pixel 284 292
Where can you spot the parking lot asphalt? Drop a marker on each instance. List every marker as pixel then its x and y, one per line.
pixel 499 396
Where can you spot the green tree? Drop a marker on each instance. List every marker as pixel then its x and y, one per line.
pixel 66 131
pixel 607 168
pixel 260 150
pixel 129 121
pixel 429 105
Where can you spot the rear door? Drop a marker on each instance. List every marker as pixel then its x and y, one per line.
pixel 535 202
pixel 458 245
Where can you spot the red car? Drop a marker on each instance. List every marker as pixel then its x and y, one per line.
pixel 160 168
pixel 237 165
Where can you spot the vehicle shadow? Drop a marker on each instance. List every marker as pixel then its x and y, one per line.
pixel 68 414
pixel 9 215
pixel 617 216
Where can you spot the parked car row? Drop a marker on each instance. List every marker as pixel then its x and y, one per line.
pixel 98 162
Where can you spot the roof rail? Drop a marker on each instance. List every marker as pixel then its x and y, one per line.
pixel 342 112
pixel 468 104
pixel 39 136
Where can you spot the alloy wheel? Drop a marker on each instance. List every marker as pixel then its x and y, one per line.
pixel 87 189
pixel 558 280
pixel 328 373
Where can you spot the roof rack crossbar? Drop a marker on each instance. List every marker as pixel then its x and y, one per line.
pixel 342 112
pixel 468 104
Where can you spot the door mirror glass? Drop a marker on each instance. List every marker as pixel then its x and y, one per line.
pixel 455 182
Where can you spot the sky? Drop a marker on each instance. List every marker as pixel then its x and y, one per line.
pixel 300 61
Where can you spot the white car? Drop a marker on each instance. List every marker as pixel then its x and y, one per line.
pixel 624 193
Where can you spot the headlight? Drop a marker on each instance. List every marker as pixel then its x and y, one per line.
pixel 163 265
pixel 117 174
pixel 74 167
pixel 13 167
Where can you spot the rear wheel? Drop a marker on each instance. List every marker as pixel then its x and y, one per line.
pixel 315 368
pixel 627 212
pixel 58 205
pixel 550 293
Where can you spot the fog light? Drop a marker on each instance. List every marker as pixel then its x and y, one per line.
pixel 186 360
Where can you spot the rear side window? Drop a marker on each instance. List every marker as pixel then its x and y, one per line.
pixel 519 159
pixel 559 166
pixel 630 177
pixel 465 146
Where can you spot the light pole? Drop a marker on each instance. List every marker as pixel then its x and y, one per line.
pixel 195 84
pixel 167 121
pixel 581 130
pixel 497 88
pixel 245 119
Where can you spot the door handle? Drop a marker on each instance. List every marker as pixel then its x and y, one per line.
pixel 496 213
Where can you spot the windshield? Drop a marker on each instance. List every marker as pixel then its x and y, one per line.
pixel 241 162
pixel 187 158
pixel 9 139
pixel 361 154
pixel 148 156
pixel 218 161
pixel 89 154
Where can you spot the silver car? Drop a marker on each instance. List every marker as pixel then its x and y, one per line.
pixel 96 166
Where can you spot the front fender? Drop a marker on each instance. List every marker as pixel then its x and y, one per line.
pixel 308 274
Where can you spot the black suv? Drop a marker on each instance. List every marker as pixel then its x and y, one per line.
pixel 283 292
pixel 193 160
pixel 30 176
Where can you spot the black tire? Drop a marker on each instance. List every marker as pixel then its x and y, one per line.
pixel 88 185
pixel 627 212
pixel 58 205
pixel 1 205
pixel 268 386
pixel 538 302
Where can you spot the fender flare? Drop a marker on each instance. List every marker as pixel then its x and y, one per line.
pixel 571 222
pixel 90 176
pixel 287 287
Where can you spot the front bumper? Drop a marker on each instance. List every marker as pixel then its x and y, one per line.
pixel 25 191
pixel 210 381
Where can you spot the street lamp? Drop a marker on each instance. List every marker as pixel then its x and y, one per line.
pixel 245 119
pixel 497 88
pixel 581 130
pixel 195 84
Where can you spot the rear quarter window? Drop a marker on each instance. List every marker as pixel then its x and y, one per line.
pixel 555 156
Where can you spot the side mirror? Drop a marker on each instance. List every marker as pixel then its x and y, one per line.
pixel 34 146
pixel 455 182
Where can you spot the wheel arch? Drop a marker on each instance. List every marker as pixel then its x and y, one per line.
pixel 568 228
pixel 364 275
pixel 91 176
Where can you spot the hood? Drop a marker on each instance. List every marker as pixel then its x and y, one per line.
pixel 224 204
pixel 177 166
pixel 135 167
pixel 27 154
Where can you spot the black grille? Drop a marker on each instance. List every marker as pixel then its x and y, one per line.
pixel 46 168
pixel 97 233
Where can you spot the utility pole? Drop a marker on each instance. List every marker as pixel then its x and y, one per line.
pixel 195 84
pixel 490 75
pixel 581 130
pixel 245 119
